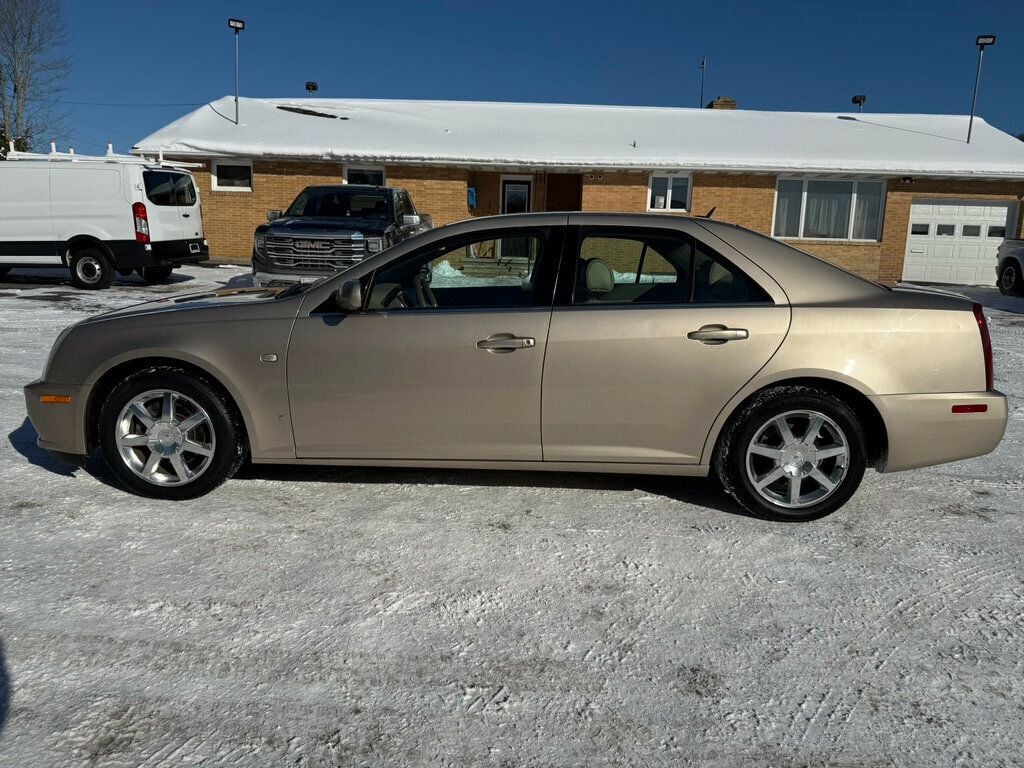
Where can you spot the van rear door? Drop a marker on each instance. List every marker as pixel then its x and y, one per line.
pixel 188 205
pixel 162 206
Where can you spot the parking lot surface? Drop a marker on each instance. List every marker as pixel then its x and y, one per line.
pixel 322 616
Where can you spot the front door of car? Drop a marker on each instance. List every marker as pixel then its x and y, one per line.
pixel 444 362
pixel 652 334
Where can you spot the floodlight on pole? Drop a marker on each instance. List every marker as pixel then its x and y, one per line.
pixel 982 41
pixel 311 87
pixel 238 25
pixel 860 99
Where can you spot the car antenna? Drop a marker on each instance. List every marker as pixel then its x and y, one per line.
pixel 710 213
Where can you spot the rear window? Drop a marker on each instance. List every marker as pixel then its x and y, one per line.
pixel 167 188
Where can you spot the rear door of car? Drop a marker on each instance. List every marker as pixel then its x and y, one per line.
pixel 645 351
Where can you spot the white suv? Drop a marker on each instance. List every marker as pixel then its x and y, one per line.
pixel 98 216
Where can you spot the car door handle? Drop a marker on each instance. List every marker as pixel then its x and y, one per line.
pixel 505 342
pixel 185 215
pixel 717 334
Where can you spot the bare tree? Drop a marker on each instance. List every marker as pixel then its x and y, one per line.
pixel 33 70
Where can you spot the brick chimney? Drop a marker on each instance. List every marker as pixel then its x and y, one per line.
pixel 722 102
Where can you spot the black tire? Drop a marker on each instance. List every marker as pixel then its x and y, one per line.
pixel 751 422
pixel 4 271
pixel 155 274
pixel 227 435
pixel 1011 281
pixel 91 269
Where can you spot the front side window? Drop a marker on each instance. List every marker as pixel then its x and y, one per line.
pixel 669 192
pixel 669 268
pixel 507 270
pixel 829 209
pixel 232 176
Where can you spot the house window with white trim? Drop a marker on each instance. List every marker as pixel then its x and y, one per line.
pixel 829 209
pixel 668 192
pixel 231 175
pixel 365 175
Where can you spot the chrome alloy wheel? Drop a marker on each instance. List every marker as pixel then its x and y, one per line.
pixel 796 472
pixel 165 437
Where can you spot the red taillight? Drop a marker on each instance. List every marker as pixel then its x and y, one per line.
pixel 141 222
pixel 986 346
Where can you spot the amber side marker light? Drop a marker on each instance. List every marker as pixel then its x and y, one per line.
pixel 978 408
pixel 62 399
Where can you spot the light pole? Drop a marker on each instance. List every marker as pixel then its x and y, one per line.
pixel 859 100
pixel 238 25
pixel 311 88
pixel 702 66
pixel 982 42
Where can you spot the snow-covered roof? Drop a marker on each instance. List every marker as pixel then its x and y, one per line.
pixel 569 136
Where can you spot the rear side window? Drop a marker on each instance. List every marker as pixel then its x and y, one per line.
pixel 166 188
pixel 626 268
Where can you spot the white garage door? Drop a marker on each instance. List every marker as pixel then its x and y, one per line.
pixel 955 241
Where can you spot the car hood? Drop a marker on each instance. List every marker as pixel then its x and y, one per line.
pixel 189 302
pixel 331 227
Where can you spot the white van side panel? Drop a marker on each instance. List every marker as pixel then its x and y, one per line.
pixel 26 232
pixel 90 201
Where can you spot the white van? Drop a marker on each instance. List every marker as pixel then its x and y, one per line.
pixel 98 216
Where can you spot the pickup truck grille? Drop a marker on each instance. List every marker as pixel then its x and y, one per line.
pixel 314 255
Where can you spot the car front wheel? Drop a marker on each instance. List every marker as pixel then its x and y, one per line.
pixel 792 454
pixel 168 434
pixel 1011 282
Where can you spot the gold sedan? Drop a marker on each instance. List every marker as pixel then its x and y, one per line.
pixel 580 342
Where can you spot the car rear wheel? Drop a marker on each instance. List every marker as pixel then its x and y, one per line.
pixel 155 274
pixel 90 269
pixel 1011 282
pixel 170 435
pixel 792 454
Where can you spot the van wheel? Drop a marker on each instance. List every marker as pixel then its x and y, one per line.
pixel 792 454
pixel 155 274
pixel 1011 282
pixel 90 269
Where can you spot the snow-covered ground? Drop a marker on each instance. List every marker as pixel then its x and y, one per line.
pixel 316 616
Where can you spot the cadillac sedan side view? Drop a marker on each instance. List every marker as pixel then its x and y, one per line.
pixel 580 342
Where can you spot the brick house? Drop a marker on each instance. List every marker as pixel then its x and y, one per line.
pixel 889 196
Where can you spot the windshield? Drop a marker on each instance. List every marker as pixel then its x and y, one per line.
pixel 338 202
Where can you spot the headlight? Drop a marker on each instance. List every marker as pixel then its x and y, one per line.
pixel 374 244
pixel 260 242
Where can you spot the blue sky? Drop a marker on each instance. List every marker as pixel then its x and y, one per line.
pixel 906 56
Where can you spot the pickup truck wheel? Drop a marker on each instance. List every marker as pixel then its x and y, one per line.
pixel 155 274
pixel 170 435
pixel 1011 282
pixel 792 454
pixel 90 269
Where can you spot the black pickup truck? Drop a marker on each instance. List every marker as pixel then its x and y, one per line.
pixel 327 229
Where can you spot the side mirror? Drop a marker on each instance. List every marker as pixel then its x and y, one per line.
pixel 350 296
pixel 411 220
pixel 271 215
